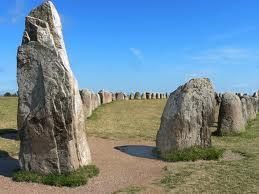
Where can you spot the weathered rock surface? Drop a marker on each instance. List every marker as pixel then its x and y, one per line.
pixel 106 97
pixel 137 96
pixel 86 96
pixel 120 96
pixel 230 115
pixel 157 96
pixel 187 116
pixel 143 96
pixel 131 97
pixel 148 95
pixel 113 97
pixel 249 106
pixel 95 100
pixel 153 96
pixel 50 112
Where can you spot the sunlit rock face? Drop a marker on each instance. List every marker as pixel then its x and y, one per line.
pixel 231 115
pixel 187 116
pixel 50 111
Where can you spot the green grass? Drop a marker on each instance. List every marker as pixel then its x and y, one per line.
pixel 71 179
pixel 237 176
pixel 134 119
pixel 193 154
pixel 130 190
pixel 8 112
pixel 140 120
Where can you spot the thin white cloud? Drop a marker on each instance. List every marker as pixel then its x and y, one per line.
pixel 137 53
pixel 227 55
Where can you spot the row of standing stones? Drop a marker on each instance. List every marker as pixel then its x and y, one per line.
pixel 92 100
pixel 51 118
pixel 194 107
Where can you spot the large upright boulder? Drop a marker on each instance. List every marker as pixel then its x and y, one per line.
pixel 230 118
pixel 187 116
pixel 137 96
pixel 143 96
pixel 119 96
pixel 148 95
pixel 86 96
pixel 50 111
pixel 106 97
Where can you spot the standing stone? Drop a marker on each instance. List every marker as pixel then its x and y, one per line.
pixel 249 106
pixel 95 100
pixel 131 97
pixel 86 96
pixel 106 97
pixel 126 97
pixel 143 96
pixel 153 96
pixel 148 95
pixel 161 96
pixel 230 115
pixel 137 96
pixel 157 96
pixel 113 97
pixel 50 112
pixel 119 96
pixel 188 114
pixel 166 95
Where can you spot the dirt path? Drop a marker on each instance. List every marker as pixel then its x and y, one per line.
pixel 119 168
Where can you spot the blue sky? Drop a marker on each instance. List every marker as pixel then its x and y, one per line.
pixel 146 45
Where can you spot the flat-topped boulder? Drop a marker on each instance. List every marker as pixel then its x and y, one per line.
pixel 187 116
pixel 106 97
pixel 231 118
pixel 51 117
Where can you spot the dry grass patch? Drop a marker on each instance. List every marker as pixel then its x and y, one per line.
pixel 139 119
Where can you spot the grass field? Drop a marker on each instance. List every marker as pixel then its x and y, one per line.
pixel 140 120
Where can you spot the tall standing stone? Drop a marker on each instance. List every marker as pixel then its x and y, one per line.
pixel 50 111
pixel 187 116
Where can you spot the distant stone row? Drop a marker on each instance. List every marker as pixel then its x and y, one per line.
pixel 92 100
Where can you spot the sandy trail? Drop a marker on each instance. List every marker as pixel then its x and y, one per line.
pixel 117 169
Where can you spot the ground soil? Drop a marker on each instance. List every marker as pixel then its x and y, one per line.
pixel 120 167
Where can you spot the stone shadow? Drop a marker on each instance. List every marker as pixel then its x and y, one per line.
pixel 140 151
pixel 8 164
pixel 11 134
